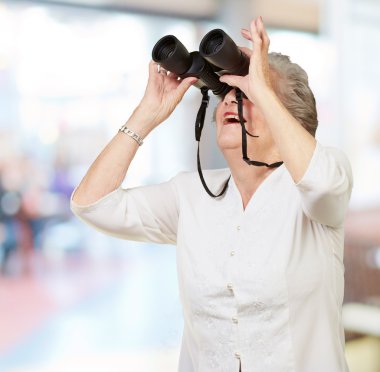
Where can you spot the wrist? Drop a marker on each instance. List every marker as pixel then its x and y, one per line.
pixel 266 97
pixel 142 121
pixel 132 134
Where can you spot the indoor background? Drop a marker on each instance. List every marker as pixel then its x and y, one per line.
pixel 71 73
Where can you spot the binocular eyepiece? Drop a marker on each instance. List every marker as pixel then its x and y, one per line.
pixel 218 55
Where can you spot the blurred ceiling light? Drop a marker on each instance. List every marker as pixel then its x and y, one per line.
pixel 290 14
pixel 193 8
pixel 313 53
pixel 77 58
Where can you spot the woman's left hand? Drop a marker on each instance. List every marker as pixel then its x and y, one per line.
pixel 258 77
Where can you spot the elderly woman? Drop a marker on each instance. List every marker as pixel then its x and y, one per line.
pixel 261 267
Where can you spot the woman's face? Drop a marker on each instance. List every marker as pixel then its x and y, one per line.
pixel 228 128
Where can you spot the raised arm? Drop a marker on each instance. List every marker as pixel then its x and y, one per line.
pixel 295 144
pixel 323 176
pixel 163 93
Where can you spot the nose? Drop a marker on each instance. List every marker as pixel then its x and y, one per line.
pixel 230 97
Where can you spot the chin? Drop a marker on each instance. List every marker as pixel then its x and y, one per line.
pixel 227 141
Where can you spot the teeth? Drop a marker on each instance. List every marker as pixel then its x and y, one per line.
pixel 232 117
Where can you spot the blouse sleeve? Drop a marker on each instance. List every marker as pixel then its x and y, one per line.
pixel 326 186
pixel 146 214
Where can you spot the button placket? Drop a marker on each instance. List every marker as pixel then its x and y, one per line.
pixel 233 255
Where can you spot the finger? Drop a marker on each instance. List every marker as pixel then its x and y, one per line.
pixel 256 40
pixel 184 85
pixel 153 68
pixel 254 31
pixel 232 80
pixel 246 51
pixel 262 32
pixel 162 71
pixel 246 34
pixel 154 76
pixel 172 75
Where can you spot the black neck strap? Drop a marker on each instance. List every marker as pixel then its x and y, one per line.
pixel 199 121
pixel 239 98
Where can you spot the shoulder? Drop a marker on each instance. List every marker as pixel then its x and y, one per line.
pixel 329 170
pixel 338 156
pixel 335 152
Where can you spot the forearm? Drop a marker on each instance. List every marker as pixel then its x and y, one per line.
pixel 295 144
pixel 110 168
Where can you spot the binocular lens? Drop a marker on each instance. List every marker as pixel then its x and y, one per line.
pixel 165 50
pixel 220 50
pixel 213 44
pixel 171 54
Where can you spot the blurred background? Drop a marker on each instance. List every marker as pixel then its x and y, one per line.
pixel 71 73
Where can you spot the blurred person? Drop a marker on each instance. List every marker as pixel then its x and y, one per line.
pixel 26 207
pixel 8 231
pixel 260 268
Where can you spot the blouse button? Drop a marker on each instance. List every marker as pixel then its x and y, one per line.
pixel 230 286
pixel 238 227
pixel 232 253
pixel 235 320
pixel 237 355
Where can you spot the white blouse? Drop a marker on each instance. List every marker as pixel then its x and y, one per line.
pixel 262 286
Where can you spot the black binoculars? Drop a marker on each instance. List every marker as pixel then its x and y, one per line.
pixel 218 55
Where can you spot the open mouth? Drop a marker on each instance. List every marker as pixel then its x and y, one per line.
pixel 231 121
pixel 231 118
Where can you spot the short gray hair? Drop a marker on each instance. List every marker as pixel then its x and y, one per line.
pixel 291 84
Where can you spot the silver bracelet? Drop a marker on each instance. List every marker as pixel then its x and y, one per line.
pixel 131 134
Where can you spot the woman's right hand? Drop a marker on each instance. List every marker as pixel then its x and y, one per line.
pixel 163 93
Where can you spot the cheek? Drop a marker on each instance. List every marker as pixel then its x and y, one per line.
pixel 217 112
pixel 217 116
pixel 256 113
pixel 255 119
